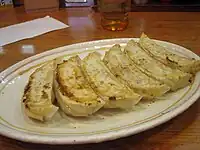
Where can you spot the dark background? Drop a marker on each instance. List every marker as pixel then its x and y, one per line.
pixel 152 5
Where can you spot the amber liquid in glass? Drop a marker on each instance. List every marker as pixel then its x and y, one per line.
pixel 114 21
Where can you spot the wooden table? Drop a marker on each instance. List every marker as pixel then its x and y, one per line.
pixel 181 133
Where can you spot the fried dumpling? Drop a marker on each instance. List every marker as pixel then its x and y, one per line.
pixel 116 94
pixel 168 58
pixel 73 92
pixel 38 94
pixel 122 67
pixel 172 77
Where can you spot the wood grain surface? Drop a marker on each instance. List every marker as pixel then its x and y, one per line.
pixel 183 28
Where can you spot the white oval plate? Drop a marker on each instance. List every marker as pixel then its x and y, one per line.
pixel 105 124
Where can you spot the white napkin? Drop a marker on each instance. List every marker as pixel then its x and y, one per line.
pixel 29 29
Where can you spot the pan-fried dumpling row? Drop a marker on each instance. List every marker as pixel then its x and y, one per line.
pixel 82 87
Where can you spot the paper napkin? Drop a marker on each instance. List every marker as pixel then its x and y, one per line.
pixel 29 29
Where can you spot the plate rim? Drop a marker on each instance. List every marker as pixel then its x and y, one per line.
pixel 102 136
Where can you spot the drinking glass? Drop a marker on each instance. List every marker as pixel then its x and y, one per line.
pixel 114 14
